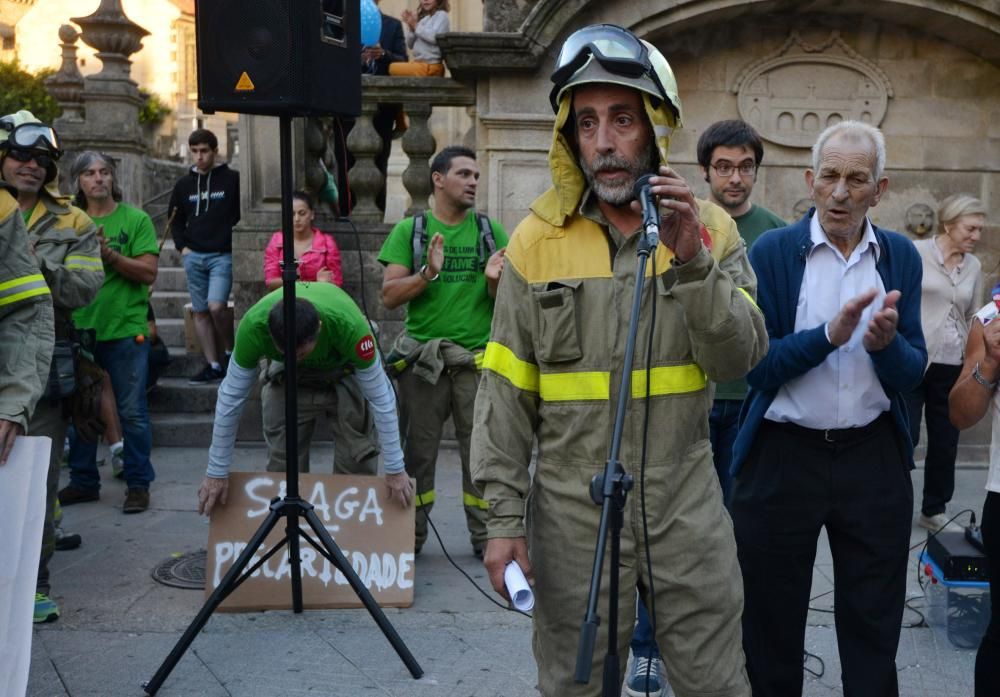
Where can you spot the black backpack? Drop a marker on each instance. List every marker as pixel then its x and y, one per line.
pixel 487 243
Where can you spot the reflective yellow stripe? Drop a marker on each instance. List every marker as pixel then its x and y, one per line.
pixel 400 365
pixel 424 499
pixel 502 361
pixel 478 355
pixel 79 261
pixel 21 288
pixel 470 501
pixel 562 387
pixel 669 379
pixel 749 297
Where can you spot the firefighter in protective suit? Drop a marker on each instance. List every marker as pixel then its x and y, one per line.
pixel 553 370
pixel 64 241
pixel 25 323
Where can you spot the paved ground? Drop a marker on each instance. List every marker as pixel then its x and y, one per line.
pixel 118 624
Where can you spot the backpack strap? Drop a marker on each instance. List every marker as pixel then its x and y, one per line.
pixel 419 240
pixel 487 242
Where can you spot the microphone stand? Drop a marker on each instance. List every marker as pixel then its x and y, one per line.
pixel 293 509
pixel 610 491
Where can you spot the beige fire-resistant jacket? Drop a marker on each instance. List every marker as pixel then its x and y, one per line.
pixel 26 325
pixel 69 255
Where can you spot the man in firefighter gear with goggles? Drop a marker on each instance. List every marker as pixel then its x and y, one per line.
pixel 553 369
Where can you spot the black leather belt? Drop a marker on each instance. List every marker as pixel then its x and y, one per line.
pixel 832 436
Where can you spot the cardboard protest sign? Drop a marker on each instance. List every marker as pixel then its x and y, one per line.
pixel 374 534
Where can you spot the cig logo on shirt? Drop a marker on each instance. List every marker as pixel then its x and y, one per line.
pixel 365 348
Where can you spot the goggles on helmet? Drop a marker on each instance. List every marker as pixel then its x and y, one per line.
pixel 33 136
pixel 618 50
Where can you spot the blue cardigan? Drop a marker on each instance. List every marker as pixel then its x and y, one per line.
pixel 779 260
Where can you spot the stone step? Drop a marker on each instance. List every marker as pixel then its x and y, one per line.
pixel 171 330
pixel 175 395
pixel 169 304
pixel 169 278
pixel 182 364
pixel 172 429
pixel 169 256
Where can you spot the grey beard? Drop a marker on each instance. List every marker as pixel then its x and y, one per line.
pixel 619 194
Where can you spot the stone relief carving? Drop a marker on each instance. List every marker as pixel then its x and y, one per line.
pixel 919 219
pixel 800 89
pixel 800 208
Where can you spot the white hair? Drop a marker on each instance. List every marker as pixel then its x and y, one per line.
pixel 854 130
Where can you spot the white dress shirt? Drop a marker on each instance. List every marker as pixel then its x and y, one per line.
pixel 843 391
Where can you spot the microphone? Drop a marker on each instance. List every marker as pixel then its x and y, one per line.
pixel 642 191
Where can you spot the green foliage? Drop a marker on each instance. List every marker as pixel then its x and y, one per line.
pixel 153 110
pixel 20 89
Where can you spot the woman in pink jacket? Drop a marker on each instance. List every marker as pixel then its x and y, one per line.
pixel 316 251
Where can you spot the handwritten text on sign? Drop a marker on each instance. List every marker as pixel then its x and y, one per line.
pixel 373 533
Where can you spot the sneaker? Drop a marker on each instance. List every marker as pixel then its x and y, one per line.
pixel 118 463
pixel 136 501
pixel 644 678
pixel 46 609
pixel 66 541
pixel 207 375
pixel 71 495
pixel 938 522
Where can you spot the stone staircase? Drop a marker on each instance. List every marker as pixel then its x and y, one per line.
pixel 182 414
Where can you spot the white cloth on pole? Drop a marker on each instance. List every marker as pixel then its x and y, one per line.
pixel 22 513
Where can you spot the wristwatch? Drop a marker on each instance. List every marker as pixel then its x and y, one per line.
pixel 978 377
pixel 429 279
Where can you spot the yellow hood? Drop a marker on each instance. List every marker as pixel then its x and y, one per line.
pixel 568 183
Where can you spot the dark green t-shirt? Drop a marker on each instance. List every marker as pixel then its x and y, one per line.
pixel 344 335
pixel 121 307
pixel 457 306
pixel 751 225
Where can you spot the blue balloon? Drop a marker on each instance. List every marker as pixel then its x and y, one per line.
pixel 371 23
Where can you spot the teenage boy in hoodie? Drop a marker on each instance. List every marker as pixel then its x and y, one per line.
pixel 205 206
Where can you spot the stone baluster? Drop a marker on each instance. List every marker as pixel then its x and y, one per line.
pixel 365 143
pixel 67 84
pixel 419 145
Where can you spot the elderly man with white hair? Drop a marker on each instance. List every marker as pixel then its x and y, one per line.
pixel 824 439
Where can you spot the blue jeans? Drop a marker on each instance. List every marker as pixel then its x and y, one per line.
pixel 127 362
pixel 723 423
pixel 643 642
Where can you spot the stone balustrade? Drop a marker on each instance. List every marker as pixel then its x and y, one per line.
pixel 419 96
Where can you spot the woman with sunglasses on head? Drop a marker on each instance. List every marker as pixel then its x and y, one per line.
pixel 315 250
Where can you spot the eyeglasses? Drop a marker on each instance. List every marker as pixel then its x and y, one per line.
pixel 41 159
pixel 32 135
pixel 616 49
pixel 726 169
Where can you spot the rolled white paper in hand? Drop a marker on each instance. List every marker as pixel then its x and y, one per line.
pixel 517 587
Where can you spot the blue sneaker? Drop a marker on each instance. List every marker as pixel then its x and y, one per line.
pixel 644 678
pixel 46 609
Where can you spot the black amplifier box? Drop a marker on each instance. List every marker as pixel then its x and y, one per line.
pixel 957 559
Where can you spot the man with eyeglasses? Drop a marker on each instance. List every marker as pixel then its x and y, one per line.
pixel 730 153
pixel 64 240
pixel 553 370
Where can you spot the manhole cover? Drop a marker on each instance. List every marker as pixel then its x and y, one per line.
pixel 185 571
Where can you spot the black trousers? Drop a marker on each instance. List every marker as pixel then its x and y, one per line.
pixel 988 658
pixel 931 398
pixel 792 484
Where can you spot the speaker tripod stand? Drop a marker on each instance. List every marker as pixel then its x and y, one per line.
pixel 292 508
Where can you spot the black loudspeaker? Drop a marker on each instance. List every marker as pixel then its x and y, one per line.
pixel 279 57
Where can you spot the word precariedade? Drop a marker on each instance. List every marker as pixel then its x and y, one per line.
pixel 374 534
